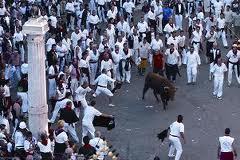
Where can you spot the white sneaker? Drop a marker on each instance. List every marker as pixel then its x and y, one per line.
pixel 128 82
pixel 111 105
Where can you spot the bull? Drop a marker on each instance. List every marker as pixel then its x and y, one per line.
pixel 160 85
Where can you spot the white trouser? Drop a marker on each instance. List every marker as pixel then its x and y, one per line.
pixel 217 14
pixel 230 70
pixel 104 90
pixel 126 75
pixel 109 74
pixel 150 59
pixel 210 67
pixel 101 14
pixel 52 87
pixel 159 24
pixel 74 85
pixel 22 52
pixel 93 71
pixel 175 144
pixel 191 73
pixel 196 47
pixel 218 85
pixel 178 20
pixel 116 73
pixel 92 5
pixel 184 61
pixel 88 127
pixel 222 34
pixel 55 111
pixel 83 79
pixel 190 7
pixel 70 128
pixel 72 20
pixel 135 55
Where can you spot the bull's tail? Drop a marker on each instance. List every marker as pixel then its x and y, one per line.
pixel 146 85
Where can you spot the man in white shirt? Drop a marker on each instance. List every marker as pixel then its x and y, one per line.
pixel 169 28
pixel 70 9
pixel 61 50
pixel 176 131
pixel 142 26
pixel 116 59
pixel 128 7
pixel 101 10
pixel 221 29
pixel 93 63
pixel 87 122
pixel 218 71
pixel 75 36
pixel 218 7
pixel 197 39
pixel 233 59
pixel 172 61
pixel 192 62
pixel 98 144
pixel 126 55
pixel 159 16
pixel 226 148
pixel 102 83
pixel 123 26
pixel 50 42
pixel 81 94
pixel 173 39
pixel 93 20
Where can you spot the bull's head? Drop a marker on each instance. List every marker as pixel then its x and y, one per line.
pixel 170 91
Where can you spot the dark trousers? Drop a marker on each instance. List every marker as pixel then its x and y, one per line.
pixel 209 46
pixel 171 71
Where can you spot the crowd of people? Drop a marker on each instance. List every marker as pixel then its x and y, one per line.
pixel 91 48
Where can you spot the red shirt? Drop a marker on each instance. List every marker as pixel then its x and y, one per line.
pixel 158 61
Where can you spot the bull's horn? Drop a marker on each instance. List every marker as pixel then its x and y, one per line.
pixel 166 87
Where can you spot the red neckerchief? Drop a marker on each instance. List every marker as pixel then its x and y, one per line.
pixel 88 146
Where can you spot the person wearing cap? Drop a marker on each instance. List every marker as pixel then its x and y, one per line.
pixel 192 62
pixel 176 132
pixel 226 148
pixel 233 57
pixel 19 138
pixel 61 140
pixel 102 83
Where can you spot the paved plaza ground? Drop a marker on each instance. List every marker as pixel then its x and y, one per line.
pixel 205 118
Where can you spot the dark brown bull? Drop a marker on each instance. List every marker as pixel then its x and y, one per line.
pixel 160 85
